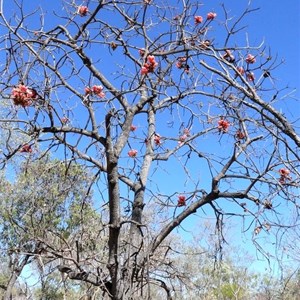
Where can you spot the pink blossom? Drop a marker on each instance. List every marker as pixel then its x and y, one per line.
pixel 250 59
pixel 181 201
pixel 211 16
pixel 132 153
pixel 198 19
pixel 82 11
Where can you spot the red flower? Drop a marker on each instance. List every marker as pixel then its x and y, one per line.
pixel 145 69
pixel 179 64
pixel 22 95
pixel 284 172
pixel 88 91
pixel 133 128
pixel 26 149
pixel 250 59
pixel 98 90
pixel 181 201
pixel 250 76
pixel 82 11
pixel 211 16
pixel 240 135
pixel 241 70
pixel 284 175
pixel 198 19
pixel 157 139
pixel 132 153
pixel 223 125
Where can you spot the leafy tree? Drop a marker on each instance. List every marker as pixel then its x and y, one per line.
pixel 144 93
pixel 46 211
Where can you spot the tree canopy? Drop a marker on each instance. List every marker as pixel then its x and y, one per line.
pixel 163 111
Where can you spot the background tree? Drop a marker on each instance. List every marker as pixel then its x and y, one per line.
pixel 46 214
pixel 141 92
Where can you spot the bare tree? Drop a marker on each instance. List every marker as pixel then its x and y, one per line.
pixel 132 89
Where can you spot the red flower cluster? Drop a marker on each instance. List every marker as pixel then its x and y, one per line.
pixel 132 153
pixel 181 201
pixel 211 16
pixel 96 89
pixel 26 149
pixel 284 175
pixel 250 59
pixel 149 66
pixel 181 64
pixel 82 11
pixel 223 125
pixel 198 20
pixel 22 95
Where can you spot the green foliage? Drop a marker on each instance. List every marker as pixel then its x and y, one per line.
pixel 47 196
pixel 47 206
pixel 229 291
